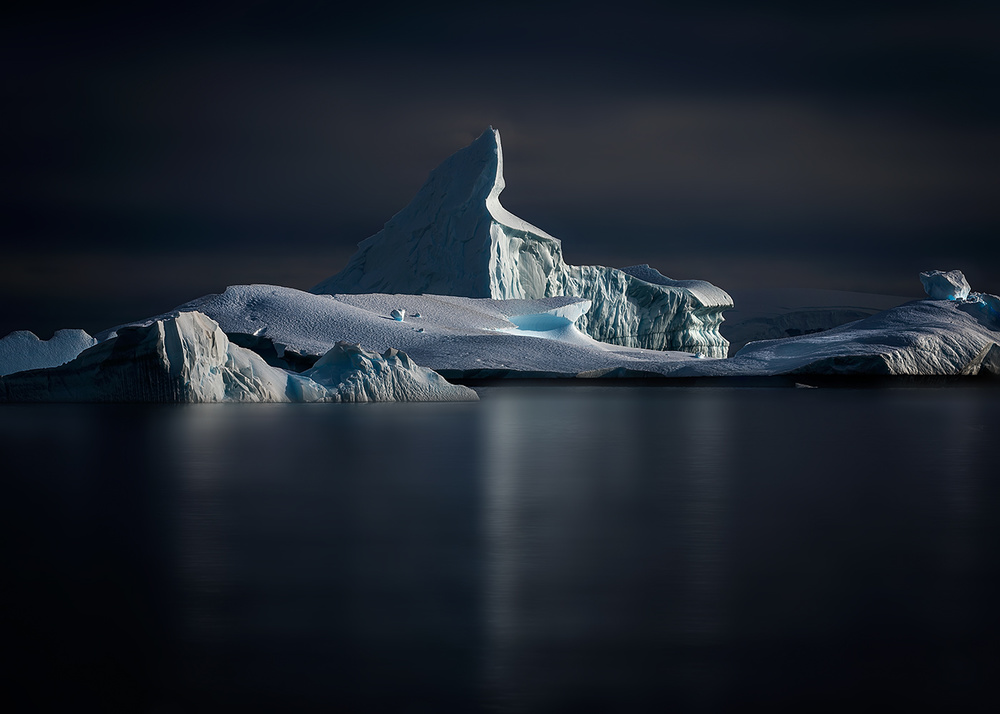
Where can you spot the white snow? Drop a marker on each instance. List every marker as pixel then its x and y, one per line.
pixel 776 312
pixel 352 374
pixel 474 338
pixel 22 350
pixel 923 337
pixel 187 357
pixel 455 238
pixel 945 285
pixel 457 336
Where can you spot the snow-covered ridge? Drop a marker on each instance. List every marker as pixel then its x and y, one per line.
pixel 455 238
pixel 776 313
pixel 924 337
pixel 22 350
pixel 945 335
pixel 187 357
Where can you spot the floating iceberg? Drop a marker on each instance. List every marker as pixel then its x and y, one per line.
pixel 945 285
pixel 20 351
pixel 925 337
pixel 352 374
pixel 933 337
pixel 455 336
pixel 187 357
pixel 774 313
pixel 455 238
pixel 474 338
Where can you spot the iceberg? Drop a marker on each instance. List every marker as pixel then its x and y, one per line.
pixel 945 285
pixel 925 337
pixel 457 337
pixel 352 374
pixel 931 337
pixel 775 312
pixel 22 350
pixel 454 238
pixel 187 357
pixel 476 338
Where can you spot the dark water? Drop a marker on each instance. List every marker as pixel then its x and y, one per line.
pixel 553 549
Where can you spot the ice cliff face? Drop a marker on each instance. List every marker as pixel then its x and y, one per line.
pixel 455 238
pixel 188 358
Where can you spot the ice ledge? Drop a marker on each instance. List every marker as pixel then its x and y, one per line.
pixel 709 295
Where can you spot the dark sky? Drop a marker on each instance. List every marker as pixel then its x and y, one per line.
pixel 153 156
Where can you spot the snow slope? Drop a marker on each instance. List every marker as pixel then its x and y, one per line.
pixel 23 350
pixel 455 238
pixel 188 358
pixel 775 313
pixel 473 338
pixel 456 336
pixel 923 337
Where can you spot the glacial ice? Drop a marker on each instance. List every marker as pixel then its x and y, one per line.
pixel 455 238
pixel 923 337
pixel 186 357
pixel 352 374
pixel 990 305
pixel 477 338
pixel 456 336
pixel 22 350
pixel 945 285
pixel 772 313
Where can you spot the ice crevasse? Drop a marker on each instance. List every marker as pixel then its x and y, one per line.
pixel 454 238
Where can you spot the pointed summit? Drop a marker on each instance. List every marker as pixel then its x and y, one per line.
pixel 441 242
pixel 454 238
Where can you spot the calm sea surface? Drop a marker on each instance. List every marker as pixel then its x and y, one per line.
pixel 548 549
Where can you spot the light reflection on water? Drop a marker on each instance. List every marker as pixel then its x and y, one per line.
pixel 601 548
pixel 547 549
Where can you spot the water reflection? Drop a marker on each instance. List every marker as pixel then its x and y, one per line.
pixel 328 562
pixel 547 549
pixel 603 552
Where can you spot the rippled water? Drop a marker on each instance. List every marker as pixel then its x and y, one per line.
pixel 568 548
